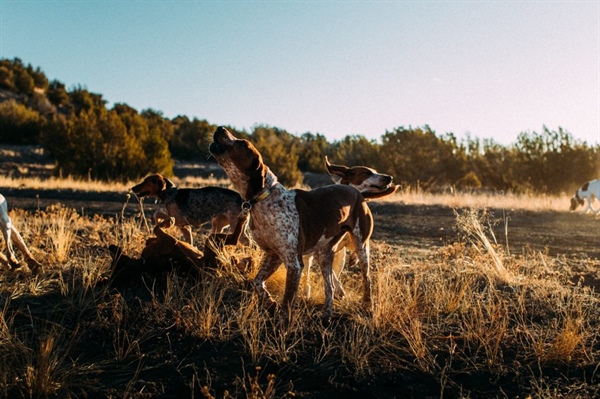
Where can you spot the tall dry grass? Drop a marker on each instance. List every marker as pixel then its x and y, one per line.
pixel 469 309
pixel 483 200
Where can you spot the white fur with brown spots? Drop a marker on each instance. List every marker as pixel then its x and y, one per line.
pixel 287 224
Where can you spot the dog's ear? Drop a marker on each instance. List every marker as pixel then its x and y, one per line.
pixel 337 170
pixel 168 184
pixel 380 194
pixel 257 178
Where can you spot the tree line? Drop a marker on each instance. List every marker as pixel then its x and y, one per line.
pixel 88 139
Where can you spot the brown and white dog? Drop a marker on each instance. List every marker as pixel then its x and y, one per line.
pixel 589 191
pixel 372 185
pixel 287 224
pixel 12 236
pixel 364 179
pixel 192 206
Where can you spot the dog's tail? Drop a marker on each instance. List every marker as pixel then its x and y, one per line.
pixel 380 194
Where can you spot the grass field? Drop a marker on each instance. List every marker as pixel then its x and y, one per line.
pixel 476 296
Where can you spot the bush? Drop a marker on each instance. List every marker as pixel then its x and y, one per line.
pixel 19 124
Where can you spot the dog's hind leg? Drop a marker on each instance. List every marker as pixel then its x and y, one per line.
pixel 339 258
pixel 324 257
pixel 363 252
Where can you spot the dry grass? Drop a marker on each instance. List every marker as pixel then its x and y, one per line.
pixel 450 198
pixel 484 200
pixel 90 185
pixel 471 320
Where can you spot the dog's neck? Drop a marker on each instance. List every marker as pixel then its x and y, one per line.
pixel 259 194
pixel 170 192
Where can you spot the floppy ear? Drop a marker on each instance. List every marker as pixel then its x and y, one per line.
pixel 257 178
pixel 380 194
pixel 337 170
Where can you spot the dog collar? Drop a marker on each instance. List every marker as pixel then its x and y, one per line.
pixel 247 205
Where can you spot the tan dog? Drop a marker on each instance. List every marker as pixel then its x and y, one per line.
pixel 287 224
pixel 164 253
pixel 12 236
pixel 192 206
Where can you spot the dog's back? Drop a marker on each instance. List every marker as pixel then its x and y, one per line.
pixel 200 205
pixel 192 206
pixel 332 210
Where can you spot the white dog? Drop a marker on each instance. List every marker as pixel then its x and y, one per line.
pixel 12 236
pixel 589 191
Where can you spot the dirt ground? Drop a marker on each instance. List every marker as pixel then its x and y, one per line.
pixel 413 231
pixel 419 228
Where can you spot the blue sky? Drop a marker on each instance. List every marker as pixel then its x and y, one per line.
pixel 491 69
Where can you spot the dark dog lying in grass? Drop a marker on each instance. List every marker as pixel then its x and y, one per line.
pixel 164 253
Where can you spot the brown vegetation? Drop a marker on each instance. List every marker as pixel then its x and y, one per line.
pixel 469 303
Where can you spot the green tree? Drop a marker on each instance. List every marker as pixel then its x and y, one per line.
pixel 492 163
pixel 18 123
pixel 279 151
pixel 106 145
pixel 57 93
pixel 7 77
pixel 190 139
pixel 418 156
pixel 553 161
pixel 311 152
pixel 357 150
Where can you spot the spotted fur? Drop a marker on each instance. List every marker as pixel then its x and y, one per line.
pixel 287 224
pixel 192 207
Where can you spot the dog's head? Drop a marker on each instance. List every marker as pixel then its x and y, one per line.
pixel 241 161
pixel 576 200
pixel 152 186
pixel 364 179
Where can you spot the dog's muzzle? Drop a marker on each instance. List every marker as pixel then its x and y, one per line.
pixel 221 138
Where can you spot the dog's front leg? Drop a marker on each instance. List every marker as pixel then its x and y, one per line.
pixel 270 263
pixel 7 229
pixel 307 261
pixel 187 234
pixel 292 281
pixel 17 240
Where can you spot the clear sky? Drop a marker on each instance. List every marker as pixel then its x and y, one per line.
pixel 491 69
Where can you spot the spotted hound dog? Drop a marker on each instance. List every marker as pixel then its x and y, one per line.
pixel 287 224
pixel 192 206
pixel 589 191
pixel 12 237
